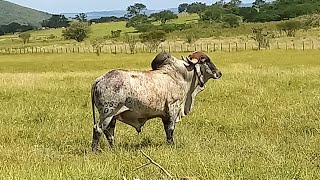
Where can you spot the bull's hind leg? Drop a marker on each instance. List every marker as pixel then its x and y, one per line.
pixel 106 125
pixel 98 129
pixel 109 131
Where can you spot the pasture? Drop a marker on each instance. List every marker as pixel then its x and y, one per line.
pixel 261 120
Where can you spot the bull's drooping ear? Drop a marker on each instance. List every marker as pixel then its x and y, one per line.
pixel 200 76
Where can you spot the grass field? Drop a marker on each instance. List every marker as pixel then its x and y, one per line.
pixel 259 121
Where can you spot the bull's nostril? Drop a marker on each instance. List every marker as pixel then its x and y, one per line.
pixel 217 75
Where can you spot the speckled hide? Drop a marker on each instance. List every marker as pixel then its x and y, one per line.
pixel 134 97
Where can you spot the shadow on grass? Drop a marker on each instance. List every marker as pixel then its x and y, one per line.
pixel 145 143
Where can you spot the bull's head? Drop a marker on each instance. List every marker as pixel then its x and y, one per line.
pixel 203 67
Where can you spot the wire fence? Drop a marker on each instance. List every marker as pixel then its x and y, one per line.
pixel 171 48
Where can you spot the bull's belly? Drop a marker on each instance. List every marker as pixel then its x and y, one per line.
pixel 137 119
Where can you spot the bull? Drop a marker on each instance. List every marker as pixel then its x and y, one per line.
pixel 133 97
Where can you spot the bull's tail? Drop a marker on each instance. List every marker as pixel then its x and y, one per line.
pixel 92 101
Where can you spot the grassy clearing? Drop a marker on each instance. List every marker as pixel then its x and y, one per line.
pixel 260 121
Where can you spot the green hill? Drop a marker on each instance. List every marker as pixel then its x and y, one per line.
pixel 10 12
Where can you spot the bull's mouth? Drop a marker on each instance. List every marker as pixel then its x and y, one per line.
pixel 217 75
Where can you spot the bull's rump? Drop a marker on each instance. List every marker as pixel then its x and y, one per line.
pixel 143 92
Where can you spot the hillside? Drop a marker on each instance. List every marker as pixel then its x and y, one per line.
pixel 10 12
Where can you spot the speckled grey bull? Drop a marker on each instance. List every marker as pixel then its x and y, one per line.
pixel 134 97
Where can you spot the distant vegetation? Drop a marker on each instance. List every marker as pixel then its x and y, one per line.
pixel 260 22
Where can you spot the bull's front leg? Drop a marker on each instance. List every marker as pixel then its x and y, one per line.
pixel 169 121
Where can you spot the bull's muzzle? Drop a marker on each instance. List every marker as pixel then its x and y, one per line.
pixel 217 75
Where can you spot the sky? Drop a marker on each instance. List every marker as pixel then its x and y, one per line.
pixel 77 6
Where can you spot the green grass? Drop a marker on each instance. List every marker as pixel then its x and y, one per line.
pixel 259 121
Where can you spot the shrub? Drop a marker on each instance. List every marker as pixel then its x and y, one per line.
pixel 144 27
pixel 131 41
pixel 290 27
pixel 261 37
pixel 116 33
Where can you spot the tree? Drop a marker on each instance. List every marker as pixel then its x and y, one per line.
pixel 231 20
pixel 15 27
pixel 258 3
pixel 234 2
pixel 138 19
pixel 183 7
pixel 153 39
pixel 220 2
pixel 135 9
pixel 214 13
pixel 77 31
pixel 81 17
pixel 164 16
pixel 25 37
pixel 248 13
pixel 56 21
pixel 196 7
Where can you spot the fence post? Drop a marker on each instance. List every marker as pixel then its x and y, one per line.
pixel 312 45
pixel 221 46
pixel 245 46
pixel 236 47
pixel 229 47
pixel 286 46
pixel 115 49
pixel 259 46
pixel 293 45
pixel 207 47
pixel 214 47
pixel 277 45
pixel 195 47
pixel 303 45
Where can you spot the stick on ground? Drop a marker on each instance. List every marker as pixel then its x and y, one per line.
pixel 155 163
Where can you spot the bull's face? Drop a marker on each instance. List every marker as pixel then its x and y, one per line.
pixel 209 70
pixel 204 68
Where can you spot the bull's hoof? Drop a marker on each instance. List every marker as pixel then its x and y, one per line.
pixel 170 142
pixel 96 149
